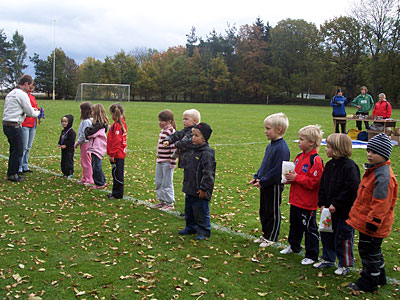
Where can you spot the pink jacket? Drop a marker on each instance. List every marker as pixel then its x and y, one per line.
pixel 98 143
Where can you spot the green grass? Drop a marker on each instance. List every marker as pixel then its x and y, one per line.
pixel 60 240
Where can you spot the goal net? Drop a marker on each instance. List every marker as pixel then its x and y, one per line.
pixel 103 91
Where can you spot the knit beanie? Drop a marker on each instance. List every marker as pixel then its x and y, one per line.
pixel 205 130
pixel 381 145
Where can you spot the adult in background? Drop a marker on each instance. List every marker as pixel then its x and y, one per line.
pixel 16 107
pixel 382 108
pixel 364 104
pixel 28 134
pixel 338 103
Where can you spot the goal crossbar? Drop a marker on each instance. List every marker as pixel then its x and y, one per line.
pixel 113 91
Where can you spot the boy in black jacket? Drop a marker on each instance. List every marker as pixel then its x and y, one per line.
pixel 198 184
pixel 66 143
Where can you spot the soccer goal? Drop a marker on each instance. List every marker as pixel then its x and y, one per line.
pixel 103 91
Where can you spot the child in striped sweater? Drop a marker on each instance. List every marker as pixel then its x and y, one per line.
pixel 165 163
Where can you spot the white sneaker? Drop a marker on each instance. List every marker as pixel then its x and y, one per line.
pixel 342 271
pixel 287 250
pixel 260 240
pixel 323 264
pixel 266 243
pixel 307 261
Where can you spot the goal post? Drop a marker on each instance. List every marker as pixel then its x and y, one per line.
pixel 103 91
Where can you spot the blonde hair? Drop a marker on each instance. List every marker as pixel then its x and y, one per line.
pixel 312 133
pixel 340 144
pixel 194 113
pixel 278 120
pixel 100 115
pixel 382 95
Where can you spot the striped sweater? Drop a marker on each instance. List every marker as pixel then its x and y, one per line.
pixel 164 153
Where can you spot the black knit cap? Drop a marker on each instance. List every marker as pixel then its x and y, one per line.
pixel 381 145
pixel 205 130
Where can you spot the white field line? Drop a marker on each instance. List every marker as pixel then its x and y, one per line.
pixel 175 213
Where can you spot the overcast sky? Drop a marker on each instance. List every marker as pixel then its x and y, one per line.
pixel 102 28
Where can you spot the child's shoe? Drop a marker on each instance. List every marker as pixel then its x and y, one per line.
pixel 158 205
pixel 200 237
pixel 307 261
pixel 185 232
pixel 69 176
pixel 354 287
pixel 323 264
pixel 260 240
pixel 168 207
pixel 97 187
pixel 266 243
pixel 287 250
pixel 342 271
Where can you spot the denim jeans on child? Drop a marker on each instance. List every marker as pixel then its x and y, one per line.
pixel 28 134
pixel 98 175
pixel 197 215
pixel 164 183
pixel 338 243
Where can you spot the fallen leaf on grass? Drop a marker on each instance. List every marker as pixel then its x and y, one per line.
pixel 205 280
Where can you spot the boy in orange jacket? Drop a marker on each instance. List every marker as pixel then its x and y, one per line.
pixel 372 213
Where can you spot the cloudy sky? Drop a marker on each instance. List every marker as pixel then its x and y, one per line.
pixel 102 28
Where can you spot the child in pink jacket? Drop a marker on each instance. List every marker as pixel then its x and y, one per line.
pixel 96 134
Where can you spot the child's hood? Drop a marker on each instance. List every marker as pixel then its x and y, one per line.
pixel 70 120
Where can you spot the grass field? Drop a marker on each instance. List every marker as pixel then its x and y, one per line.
pixel 61 240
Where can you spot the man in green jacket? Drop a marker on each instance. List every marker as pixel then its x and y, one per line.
pixel 364 104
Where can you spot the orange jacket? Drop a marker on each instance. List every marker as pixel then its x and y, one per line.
pixel 376 199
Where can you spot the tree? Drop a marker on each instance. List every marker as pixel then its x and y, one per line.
pixel 17 56
pixel 296 51
pixel 43 74
pixel 90 71
pixel 379 21
pixel 4 58
pixel 344 47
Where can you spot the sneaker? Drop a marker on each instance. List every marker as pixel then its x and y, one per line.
pixel 112 197
pixel 266 243
pixel 15 178
pixel 323 264
pixel 168 207
pixel 342 271
pixel 353 287
pixel 27 171
pixel 97 187
pixel 185 232
pixel 200 237
pixel 307 261
pixel 287 250
pixel 159 205
pixel 69 176
pixel 260 240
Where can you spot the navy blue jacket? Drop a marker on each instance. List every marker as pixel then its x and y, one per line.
pixel 270 171
pixel 199 173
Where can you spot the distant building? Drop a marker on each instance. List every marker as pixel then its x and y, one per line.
pixel 311 96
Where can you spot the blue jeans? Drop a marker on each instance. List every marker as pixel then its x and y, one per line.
pixel 338 243
pixel 14 136
pixel 98 175
pixel 28 134
pixel 197 216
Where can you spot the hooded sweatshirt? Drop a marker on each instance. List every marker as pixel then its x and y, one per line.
pixel 68 135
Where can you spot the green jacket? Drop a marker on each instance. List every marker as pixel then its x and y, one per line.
pixel 366 102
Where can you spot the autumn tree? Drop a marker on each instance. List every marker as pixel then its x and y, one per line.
pixel 17 54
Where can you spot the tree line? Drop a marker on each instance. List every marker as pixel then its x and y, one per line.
pixel 245 64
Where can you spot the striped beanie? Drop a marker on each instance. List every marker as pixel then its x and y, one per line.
pixel 381 145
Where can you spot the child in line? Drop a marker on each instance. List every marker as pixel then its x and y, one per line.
pixel 303 196
pixel 338 103
pixel 182 139
pixel 86 160
pixel 198 184
pixel 373 212
pixel 337 191
pixel 165 165
pixel 268 178
pixel 66 144
pixel 96 134
pixel 117 149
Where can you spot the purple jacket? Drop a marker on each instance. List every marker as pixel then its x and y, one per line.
pixel 98 143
